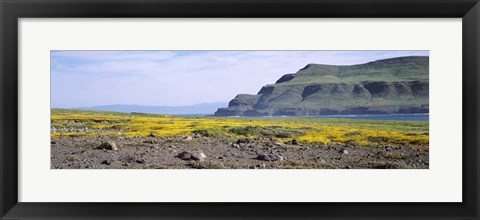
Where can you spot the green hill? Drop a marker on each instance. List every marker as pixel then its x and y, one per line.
pixel 396 85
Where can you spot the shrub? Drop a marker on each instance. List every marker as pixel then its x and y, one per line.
pixel 211 132
pixel 377 139
pixel 246 131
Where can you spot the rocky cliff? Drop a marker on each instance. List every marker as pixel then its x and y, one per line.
pixel 389 86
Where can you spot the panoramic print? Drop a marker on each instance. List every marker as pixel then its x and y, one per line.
pixel 239 110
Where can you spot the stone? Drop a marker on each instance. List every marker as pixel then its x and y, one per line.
pixel 110 145
pixel 244 140
pixel 185 155
pixel 294 142
pixel 189 138
pixel 149 142
pixel 263 157
pixel 354 94
pixel 269 157
pixel 344 151
pixel 198 155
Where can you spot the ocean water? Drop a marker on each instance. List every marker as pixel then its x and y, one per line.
pixel 401 117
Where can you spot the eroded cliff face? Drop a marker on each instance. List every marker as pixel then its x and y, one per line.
pixel 397 85
pixel 239 105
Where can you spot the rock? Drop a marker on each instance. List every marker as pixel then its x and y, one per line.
pixel 244 140
pixel 152 135
pixel 198 155
pixel 294 142
pixel 108 145
pixel 129 159
pixel 235 145
pixel 53 142
pixel 141 161
pixel 279 144
pixel 185 155
pixel 195 155
pixel 149 141
pixel 344 151
pixel 353 94
pixel 277 157
pixel 269 157
pixel 252 146
pixel 188 138
pixel 106 162
pixel 170 148
pixel 220 158
pixel 388 147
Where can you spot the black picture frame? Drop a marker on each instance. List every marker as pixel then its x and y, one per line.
pixel 12 10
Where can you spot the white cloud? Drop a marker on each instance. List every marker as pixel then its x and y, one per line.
pixel 87 78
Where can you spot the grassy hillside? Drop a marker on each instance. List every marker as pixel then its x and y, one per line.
pixel 397 85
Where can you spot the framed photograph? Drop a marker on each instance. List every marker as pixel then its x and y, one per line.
pixel 226 109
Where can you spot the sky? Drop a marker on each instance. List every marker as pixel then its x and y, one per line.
pixel 176 78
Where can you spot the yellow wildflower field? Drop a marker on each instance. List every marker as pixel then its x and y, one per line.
pixel 364 133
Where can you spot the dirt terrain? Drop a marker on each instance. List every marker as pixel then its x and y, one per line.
pixel 226 153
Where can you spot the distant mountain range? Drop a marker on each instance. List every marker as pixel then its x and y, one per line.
pixel 197 109
pixel 388 86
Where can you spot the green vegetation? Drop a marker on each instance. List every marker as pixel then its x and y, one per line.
pixel 76 123
pixel 397 85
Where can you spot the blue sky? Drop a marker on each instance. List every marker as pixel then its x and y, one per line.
pixel 173 78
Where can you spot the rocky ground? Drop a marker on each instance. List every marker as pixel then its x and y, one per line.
pixel 225 153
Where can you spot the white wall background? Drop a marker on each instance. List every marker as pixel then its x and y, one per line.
pixel 440 183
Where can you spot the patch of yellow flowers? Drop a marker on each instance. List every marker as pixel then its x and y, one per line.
pixel 310 130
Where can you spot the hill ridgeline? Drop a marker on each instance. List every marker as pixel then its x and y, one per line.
pixel 390 86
